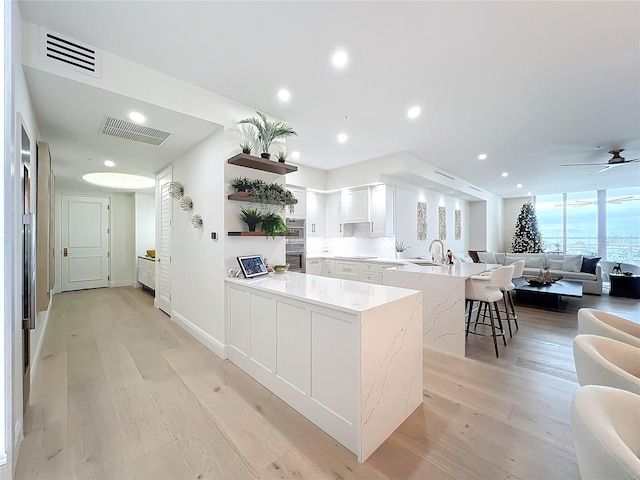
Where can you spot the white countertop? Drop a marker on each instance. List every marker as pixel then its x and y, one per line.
pixel 345 295
pixel 351 259
pixel 463 270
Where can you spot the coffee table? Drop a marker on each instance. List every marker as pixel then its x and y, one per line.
pixel 548 295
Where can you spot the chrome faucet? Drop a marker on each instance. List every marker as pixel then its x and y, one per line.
pixel 440 259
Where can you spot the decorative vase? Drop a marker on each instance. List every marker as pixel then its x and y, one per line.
pixel 266 155
pixel 399 255
pixel 281 160
pixel 252 226
pixel 247 151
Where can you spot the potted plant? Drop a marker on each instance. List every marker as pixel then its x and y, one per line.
pixel 267 132
pixel 249 139
pixel 282 156
pixel 242 184
pixel 252 217
pixel 272 223
pixel 401 247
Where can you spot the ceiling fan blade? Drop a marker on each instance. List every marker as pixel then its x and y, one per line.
pixel 603 169
pixel 581 164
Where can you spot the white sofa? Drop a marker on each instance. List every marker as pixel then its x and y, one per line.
pixel 569 266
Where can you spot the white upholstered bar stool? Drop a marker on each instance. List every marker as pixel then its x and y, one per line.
pixel 604 324
pixel 485 289
pixel 606 432
pixel 607 362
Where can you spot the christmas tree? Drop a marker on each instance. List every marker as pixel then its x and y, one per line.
pixel 527 237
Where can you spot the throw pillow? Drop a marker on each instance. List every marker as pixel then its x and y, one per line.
pixel 487 257
pixel 535 262
pixel 555 264
pixel 500 258
pixel 572 263
pixel 509 259
pixel 589 264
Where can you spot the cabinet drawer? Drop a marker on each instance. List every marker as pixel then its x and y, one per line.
pixel 349 270
pixel 369 267
pixel 370 277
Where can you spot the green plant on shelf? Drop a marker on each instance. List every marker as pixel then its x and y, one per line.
pixel 252 217
pixel 272 197
pixel 273 224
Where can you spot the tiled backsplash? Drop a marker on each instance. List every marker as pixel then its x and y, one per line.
pixel 359 244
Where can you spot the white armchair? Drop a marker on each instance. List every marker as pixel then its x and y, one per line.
pixel 604 324
pixel 607 362
pixel 606 431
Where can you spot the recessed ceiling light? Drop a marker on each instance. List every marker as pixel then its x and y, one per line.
pixel 482 156
pixel 284 95
pixel 343 137
pixel 137 117
pixel 528 194
pixel 109 163
pixel 119 180
pixel 414 112
pixel 505 174
pixel 295 155
pixel 339 59
pixel 519 185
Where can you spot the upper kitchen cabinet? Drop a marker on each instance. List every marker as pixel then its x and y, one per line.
pixel 381 203
pixel 315 214
pixel 300 208
pixel 355 205
pixel 333 214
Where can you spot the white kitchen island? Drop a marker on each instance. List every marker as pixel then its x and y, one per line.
pixel 347 355
pixel 443 289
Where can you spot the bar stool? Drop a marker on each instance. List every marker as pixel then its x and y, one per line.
pixel 485 289
pixel 518 270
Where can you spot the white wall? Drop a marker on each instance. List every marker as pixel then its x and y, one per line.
pixel 407 199
pixel 145 222
pixel 197 261
pixel 309 177
pixel 511 211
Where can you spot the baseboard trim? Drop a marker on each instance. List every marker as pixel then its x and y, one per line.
pixel 120 283
pixel 36 357
pixel 203 337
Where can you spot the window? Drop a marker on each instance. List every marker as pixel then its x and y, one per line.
pixel 549 211
pixel 623 225
pixel 569 223
pixel 582 223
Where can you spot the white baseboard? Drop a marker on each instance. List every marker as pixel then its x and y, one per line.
pixel 203 337
pixel 45 324
pixel 120 283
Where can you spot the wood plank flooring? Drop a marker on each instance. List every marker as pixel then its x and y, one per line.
pixel 123 392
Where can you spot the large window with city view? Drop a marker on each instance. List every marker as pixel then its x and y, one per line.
pixel 569 223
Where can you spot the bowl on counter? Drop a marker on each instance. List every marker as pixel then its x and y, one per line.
pixel 151 253
pixel 280 268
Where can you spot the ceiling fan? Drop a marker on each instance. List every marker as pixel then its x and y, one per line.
pixel 614 161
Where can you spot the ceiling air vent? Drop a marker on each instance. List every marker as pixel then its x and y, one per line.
pixel 444 175
pixel 69 53
pixel 134 131
pixel 474 188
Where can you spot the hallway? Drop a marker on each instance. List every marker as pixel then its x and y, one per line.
pixel 123 392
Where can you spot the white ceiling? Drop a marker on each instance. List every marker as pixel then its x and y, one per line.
pixel 531 84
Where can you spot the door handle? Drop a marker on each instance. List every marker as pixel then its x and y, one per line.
pixel 65 252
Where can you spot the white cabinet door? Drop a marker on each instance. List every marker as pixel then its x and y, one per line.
pixel 314 267
pixel 315 214
pixel 381 205
pixel 333 214
pixel 355 205
pixel 329 268
pixel 300 208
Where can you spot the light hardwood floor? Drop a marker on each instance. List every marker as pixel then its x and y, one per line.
pixel 123 392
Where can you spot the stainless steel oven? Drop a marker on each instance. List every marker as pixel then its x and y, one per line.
pixel 295 246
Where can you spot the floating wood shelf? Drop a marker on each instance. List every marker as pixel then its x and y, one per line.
pixel 261 234
pixel 259 163
pixel 244 197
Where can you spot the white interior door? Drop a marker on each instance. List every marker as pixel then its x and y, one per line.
pixel 163 250
pixel 85 242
